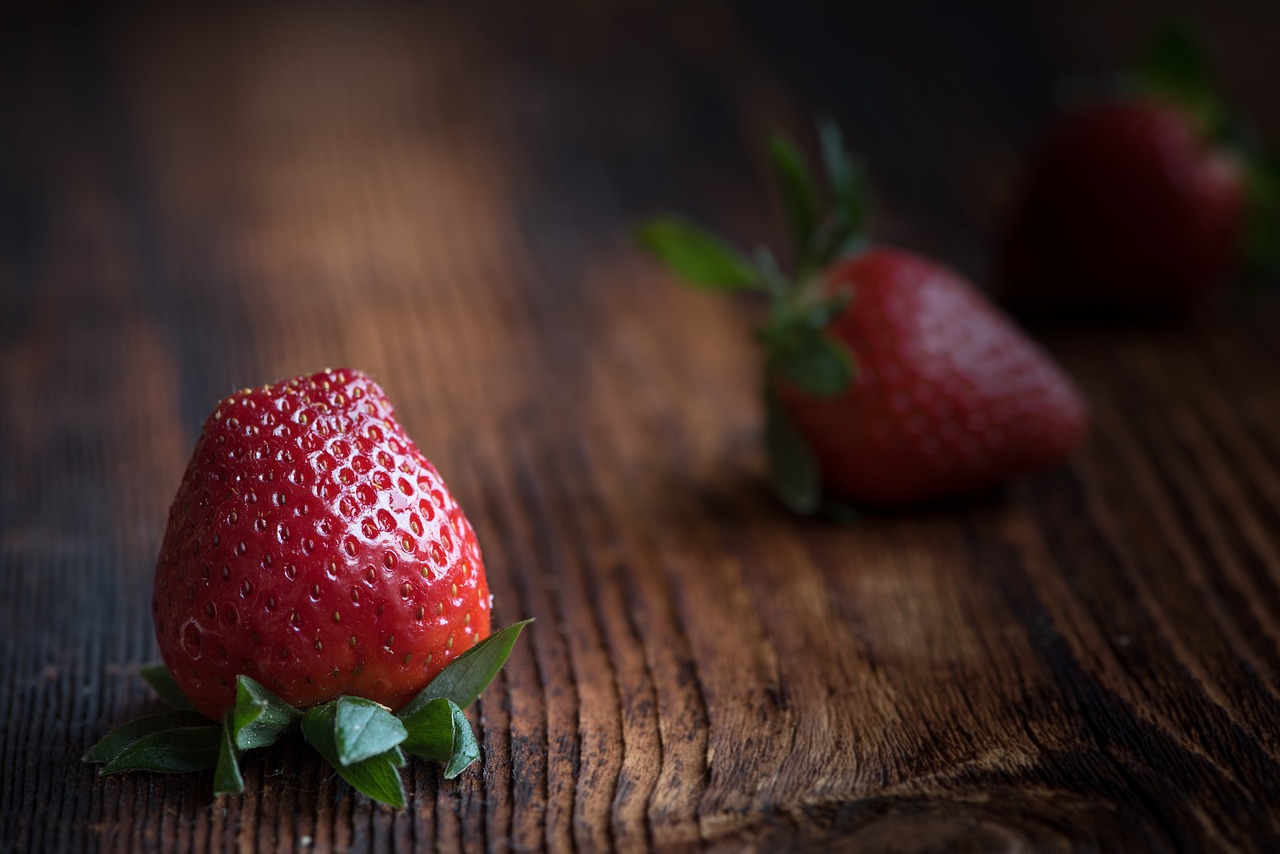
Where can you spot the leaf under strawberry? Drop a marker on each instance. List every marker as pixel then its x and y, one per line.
pixel 363 740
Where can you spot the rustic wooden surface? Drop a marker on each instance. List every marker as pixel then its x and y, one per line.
pixel 189 204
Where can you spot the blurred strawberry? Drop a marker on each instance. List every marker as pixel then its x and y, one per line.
pixel 1142 204
pixel 948 398
pixel 889 379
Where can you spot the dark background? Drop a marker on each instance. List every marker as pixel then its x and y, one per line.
pixel 943 101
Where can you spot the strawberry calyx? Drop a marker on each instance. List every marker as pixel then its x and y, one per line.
pixel 363 740
pixel 801 306
pixel 1174 71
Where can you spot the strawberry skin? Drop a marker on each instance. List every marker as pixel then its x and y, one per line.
pixel 1127 207
pixel 949 396
pixel 314 548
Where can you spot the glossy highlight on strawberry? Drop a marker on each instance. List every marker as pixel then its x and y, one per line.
pixel 312 547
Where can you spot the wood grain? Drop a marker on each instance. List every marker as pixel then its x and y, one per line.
pixel 1088 660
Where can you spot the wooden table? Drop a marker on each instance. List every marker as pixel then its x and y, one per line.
pixel 188 204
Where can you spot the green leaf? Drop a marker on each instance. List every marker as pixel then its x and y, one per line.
pixel 115 742
pixel 470 673
pixel 465 748
pixel 161 681
pixel 774 282
pixel 431 730
pixel 259 717
pixel 835 241
pixel 1174 69
pixel 1262 213
pixel 821 314
pixel 798 191
pixel 848 192
pixel 440 731
pixel 702 259
pixel 363 728
pixel 816 364
pixel 377 777
pixel 172 751
pixel 227 779
pixel 793 467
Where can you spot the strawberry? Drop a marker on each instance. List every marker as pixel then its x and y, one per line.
pixel 1128 206
pixel 889 380
pixel 314 559
pixel 949 396
pixel 313 547
pixel 1142 203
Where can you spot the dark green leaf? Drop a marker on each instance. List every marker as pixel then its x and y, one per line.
pixel 848 193
pixel 835 241
pixel 816 364
pixel 227 779
pixel 700 258
pixel 431 730
pixel 173 751
pixel 375 777
pixel 363 729
pixel 853 244
pixel 1262 222
pixel 160 680
pixel 1174 69
pixel 793 467
pixel 470 673
pixel 115 742
pixel 318 728
pixel 465 748
pixel 798 191
pixel 774 281
pixel 259 717
pixel 820 316
pixel 440 731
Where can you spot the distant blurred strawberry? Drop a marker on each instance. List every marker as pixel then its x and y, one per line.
pixel 1142 204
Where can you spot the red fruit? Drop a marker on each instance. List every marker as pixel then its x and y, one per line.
pixel 1128 206
pixel 916 390
pixel 948 398
pixel 314 548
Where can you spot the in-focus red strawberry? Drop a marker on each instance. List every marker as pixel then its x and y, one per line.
pixel 315 575
pixel 889 380
pixel 314 548
pixel 1143 203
